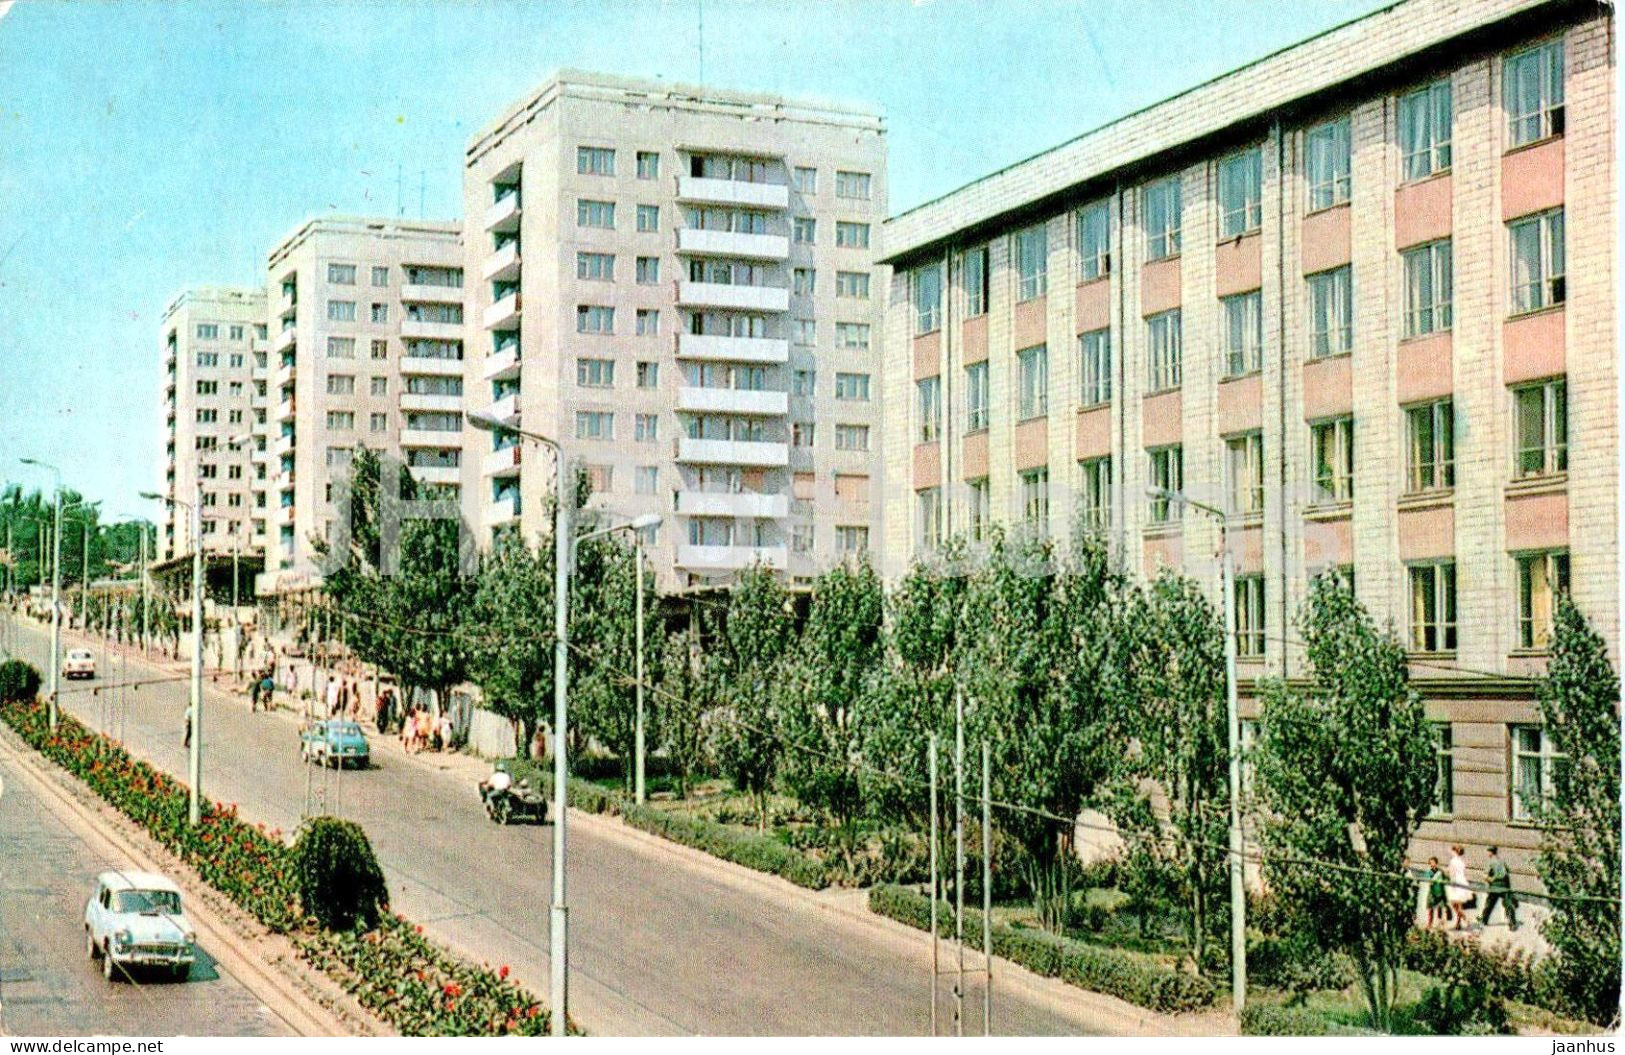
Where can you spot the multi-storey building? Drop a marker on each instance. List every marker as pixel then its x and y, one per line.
pixel 214 350
pixel 679 285
pixel 366 319
pixel 1359 297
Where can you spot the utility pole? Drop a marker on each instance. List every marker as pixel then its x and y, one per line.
pixel 56 605
pixel 143 529
pixel 936 966
pixel 1238 896
pixel 638 737
pixel 194 806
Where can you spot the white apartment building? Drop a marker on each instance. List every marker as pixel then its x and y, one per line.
pixel 366 319
pixel 214 350
pixel 680 285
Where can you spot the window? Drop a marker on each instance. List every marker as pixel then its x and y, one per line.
pixel 1535 760
pixel 1424 131
pixel 1032 262
pixel 974 262
pixel 802 434
pixel 804 230
pixel 1331 313
pixel 853 387
pixel 851 437
pixel 378 422
pixel 1167 480
pixel 595 425
pixel 1241 193
pixel 1163 350
pixel 595 161
pixel 341 419
pixel 802 382
pixel 208 388
pixel 1332 447
pixel 207 331
pixel 1542 578
pixel 380 349
pixel 1033 365
pixel 207 417
pixel 1249 602
pixel 208 358
pixel 1095 367
pixel 1533 85
pixel 1444 770
pixel 380 276
pixel 646 428
pixel 648 270
pixel 1432 446
pixel 1537 261
pixel 1243 333
pixel 1433 607
pixel 648 165
pixel 1244 472
pixel 648 218
pixel 235 332
pixel 929 395
pixel 1163 207
pixel 595 373
pixel 805 180
pixel 804 331
pixel 1035 499
pixel 341 347
pixel 852 335
pixel 591 213
pixel 597 267
pixel 852 285
pixel 852 185
pixel 595 318
pixel 1094 242
pixel 648 374
pixel 341 311
pixel 976 396
pixel 1095 504
pixel 380 313
pixel 341 274
pixel 926 283
pixel 1328 166
pixel 849 235
pixel 928 501
pixel 803 281
pixel 1542 428
pixel 978 508
pixel 801 538
pixel 851 539
pixel 259 331
pixel 340 384
pixel 1428 282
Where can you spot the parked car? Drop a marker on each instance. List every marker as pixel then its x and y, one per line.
pixel 79 663
pixel 134 919
pixel 334 742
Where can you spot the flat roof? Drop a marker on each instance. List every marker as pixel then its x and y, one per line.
pixel 391 226
pixel 215 295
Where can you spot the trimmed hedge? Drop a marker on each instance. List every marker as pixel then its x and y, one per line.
pixel 1126 975
pixel 1273 1020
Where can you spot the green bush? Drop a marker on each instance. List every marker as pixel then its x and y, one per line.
pixel 340 883
pixel 1296 965
pixel 1505 973
pixel 1129 976
pixel 19 681
pixel 1273 1020
pixel 1461 1010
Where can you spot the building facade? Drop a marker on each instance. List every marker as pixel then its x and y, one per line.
pixel 680 286
pixel 1359 298
pixel 366 321
pixel 214 350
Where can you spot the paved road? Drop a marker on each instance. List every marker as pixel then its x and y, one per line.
pixel 48 986
pixel 657 946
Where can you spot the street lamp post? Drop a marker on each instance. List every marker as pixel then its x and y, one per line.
pixel 56 590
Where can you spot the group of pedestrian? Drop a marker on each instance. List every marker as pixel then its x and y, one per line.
pixel 1451 895
pixel 263 689
pixel 422 731
pixel 343 698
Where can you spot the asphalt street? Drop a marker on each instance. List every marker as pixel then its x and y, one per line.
pixel 658 946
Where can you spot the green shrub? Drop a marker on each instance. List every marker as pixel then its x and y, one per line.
pixel 19 681
pixel 340 883
pixel 1296 965
pixel 762 853
pixel 1461 1010
pixel 1273 1020
pixel 1506 973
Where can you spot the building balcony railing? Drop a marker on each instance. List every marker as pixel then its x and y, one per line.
pixel 422 294
pixel 732 401
pixel 283 446
pixel 730 558
pixel 284 515
pixel 286 409
pixel 504 462
pixel 436 474
pixel 733 349
pixel 741 298
pixel 284 339
pixel 433 330
pixel 732 192
pixel 431 401
pixel 283 376
pixel 501 366
pixel 502 511
pixel 733 452
pixel 503 216
pixel 427 366
pixel 502 265
pixel 505 410
pixel 503 314
pixel 693 240
pixel 732 504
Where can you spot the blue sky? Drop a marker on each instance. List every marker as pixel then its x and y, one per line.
pixel 149 147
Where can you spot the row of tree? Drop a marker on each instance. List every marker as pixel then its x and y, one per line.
pixel 28 518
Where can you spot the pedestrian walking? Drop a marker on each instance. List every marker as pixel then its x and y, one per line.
pixel 333 698
pixel 186 741
pixel 1438 912
pixel 267 688
pixel 1500 891
pixel 1459 893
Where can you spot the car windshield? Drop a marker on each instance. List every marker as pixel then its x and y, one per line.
pixel 347 729
pixel 78 655
pixel 148 902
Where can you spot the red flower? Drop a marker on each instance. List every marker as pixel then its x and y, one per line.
pixel 502 972
pixel 452 989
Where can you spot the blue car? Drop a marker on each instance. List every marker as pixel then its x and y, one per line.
pixel 336 743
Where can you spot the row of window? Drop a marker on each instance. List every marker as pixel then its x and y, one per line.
pixel 600 161
pixel 210 331
pixel 449 277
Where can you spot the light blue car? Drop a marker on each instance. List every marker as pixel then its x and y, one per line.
pixel 334 742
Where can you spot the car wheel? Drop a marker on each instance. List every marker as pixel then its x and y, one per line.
pixel 109 969
pixel 91 949
pixel 502 813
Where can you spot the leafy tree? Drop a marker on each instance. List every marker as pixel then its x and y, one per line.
pixel 340 883
pixel 1345 774
pixel 19 681
pixel 683 702
pixel 1579 858
pixel 755 636
pixel 511 647
pixel 603 632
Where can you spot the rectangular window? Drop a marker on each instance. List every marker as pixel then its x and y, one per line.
pixel 853 185
pixel 1163 205
pixel 380 276
pixel 207 331
pixel 1164 350
pixel 974 262
pixel 207 416
pixel 380 349
pixel 803 281
pixel 851 539
pixel 1249 603
pixel 851 437
pixel 648 165
pixel 978 508
pixel 1241 193
pixel 341 311
pixel 380 313
pixel 926 291
pixel 1035 500
pixel 595 161
pixel 596 267
pixel 646 428
pixel 1444 770
pixel 595 425
pixel 208 388
pixel 849 235
pixel 802 382
pixel 648 320
pixel 804 230
pixel 1542 579
pixel 1533 84
pixel 590 213
pixel 801 538
pixel 1094 242
pixel 1432 429
pixel 1429 281
pixel 1535 761
pixel 804 331
pixel 802 434
pixel 1095 506
pixel 378 422
pixel 1243 333
pixel 380 386
pixel 1095 367
pixel 1537 261
pixel 1031 250
pixel 805 180
pixel 648 374
pixel 1327 147
pixel 1167 481
pixel 852 386
pixel 1433 607
pixel 595 318
pixel 1332 444
pixel 929 393
pixel 852 285
pixel 976 397
pixel 1424 131
pixel 852 335
pixel 341 384
pixel 235 332
pixel 648 218
pixel 1542 428
pixel 1244 473
pixel 1033 366
pixel 341 347
pixel 208 358
pixel 341 419
pixel 648 270
pixel 1331 313
pixel 928 502
pixel 646 480
pixel 341 274
pixel 595 373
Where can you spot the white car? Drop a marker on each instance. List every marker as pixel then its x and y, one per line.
pixel 79 663
pixel 134 919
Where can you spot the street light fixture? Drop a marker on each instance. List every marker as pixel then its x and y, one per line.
pixel 56 590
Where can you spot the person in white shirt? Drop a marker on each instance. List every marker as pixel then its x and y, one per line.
pixel 1459 892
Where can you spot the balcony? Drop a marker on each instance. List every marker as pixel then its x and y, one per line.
pixel 502 265
pixel 504 215
pixel 504 462
pixel 729 558
pixel 260 373
pixel 283 376
pixel 731 243
pixel 257 401
pixel 427 366
pixel 505 410
pixel 732 349
pixel 502 511
pixel 501 366
pixel 257 455
pixel 436 474
pixel 732 401
pixel 733 452
pixel 732 504
pixel 741 298
pixel 283 446
pixel 431 329
pixel 432 294
pixel 430 401
pixel 285 410
pixel 443 439
pixel 283 516
pixel 503 315
pixel 699 189
pixel 284 339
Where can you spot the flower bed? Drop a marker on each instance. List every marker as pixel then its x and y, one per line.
pixel 393 971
